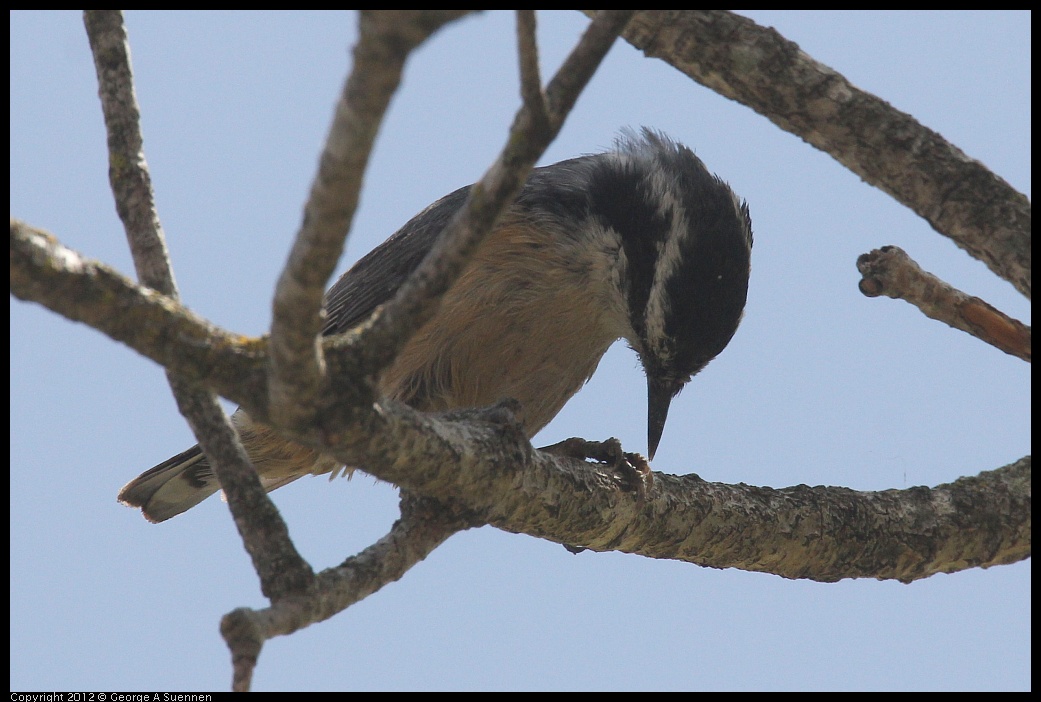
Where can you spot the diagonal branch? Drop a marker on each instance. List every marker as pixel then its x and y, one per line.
pixel 888 148
pixel 533 130
pixel 485 465
pixel 386 40
pixel 528 61
pixel 890 271
pixel 280 567
pixel 127 171
pixel 158 327
pixel 424 525
pixel 264 534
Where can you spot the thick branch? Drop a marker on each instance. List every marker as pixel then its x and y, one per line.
pixel 888 148
pixel 484 464
pixel 890 271
pixel 386 40
pixel 824 533
pixel 820 533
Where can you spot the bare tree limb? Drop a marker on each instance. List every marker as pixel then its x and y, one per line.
pixel 468 468
pixel 890 271
pixel 278 564
pixel 888 148
pixel 387 38
pixel 819 533
pixel 532 131
pixel 158 327
pixel 424 525
pixel 528 59
pixel 127 171
pixel 482 462
pixel 280 567
pixel 298 387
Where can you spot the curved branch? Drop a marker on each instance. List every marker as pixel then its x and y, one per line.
pixel 819 533
pixel 888 148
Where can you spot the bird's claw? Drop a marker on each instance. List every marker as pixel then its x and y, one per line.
pixel 631 469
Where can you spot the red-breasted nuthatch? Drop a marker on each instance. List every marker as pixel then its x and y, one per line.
pixel 640 243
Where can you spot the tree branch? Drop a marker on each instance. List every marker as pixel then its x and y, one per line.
pixel 386 40
pixel 890 271
pixel 528 60
pixel 278 564
pixel 888 148
pixel 424 525
pixel 127 171
pixel 819 533
pixel 156 326
pixel 467 468
pixel 481 462
pixel 280 567
pixel 533 130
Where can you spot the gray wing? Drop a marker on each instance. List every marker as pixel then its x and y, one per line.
pixel 557 192
pixel 376 277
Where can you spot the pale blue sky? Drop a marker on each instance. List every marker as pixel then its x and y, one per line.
pixel 819 386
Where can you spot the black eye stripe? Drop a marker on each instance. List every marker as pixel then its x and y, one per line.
pixel 626 205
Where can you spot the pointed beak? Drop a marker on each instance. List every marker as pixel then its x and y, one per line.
pixel 659 397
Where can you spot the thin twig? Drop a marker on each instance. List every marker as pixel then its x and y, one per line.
pixel 580 65
pixel 281 569
pixel 891 272
pixel 528 59
pixel 127 171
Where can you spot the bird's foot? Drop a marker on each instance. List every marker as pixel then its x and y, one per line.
pixel 631 469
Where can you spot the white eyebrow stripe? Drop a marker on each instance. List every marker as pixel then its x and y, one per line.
pixel 670 258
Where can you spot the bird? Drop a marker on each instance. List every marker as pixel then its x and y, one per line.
pixel 640 242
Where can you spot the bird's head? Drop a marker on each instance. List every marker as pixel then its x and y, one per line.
pixel 686 242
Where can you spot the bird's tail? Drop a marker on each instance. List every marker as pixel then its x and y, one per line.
pixel 179 483
pixel 175 485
